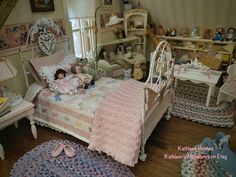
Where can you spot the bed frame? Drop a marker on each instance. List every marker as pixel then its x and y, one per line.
pixel 157 94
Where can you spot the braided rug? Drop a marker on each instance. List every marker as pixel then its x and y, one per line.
pixel 197 163
pixel 40 162
pixel 189 103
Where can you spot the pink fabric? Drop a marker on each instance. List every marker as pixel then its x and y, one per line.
pixel 116 129
pixel 67 85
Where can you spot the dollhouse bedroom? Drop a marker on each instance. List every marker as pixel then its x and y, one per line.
pixel 117 88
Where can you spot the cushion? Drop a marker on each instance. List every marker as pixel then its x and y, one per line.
pixel 48 72
pixel 37 63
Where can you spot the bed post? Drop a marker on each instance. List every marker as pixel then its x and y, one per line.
pixel 168 115
pixel 156 94
pixel 143 155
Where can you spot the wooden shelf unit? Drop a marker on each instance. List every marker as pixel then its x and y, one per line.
pixel 224 48
pixel 135 24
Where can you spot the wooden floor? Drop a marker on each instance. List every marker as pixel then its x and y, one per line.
pixel 167 136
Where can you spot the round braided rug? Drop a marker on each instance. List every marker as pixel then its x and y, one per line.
pixel 40 162
pixel 200 164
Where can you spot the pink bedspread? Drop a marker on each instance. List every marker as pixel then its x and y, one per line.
pixel 116 128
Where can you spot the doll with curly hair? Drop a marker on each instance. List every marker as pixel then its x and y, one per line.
pixel 65 84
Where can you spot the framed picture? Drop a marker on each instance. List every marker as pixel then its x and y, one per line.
pixel 107 3
pixel 42 5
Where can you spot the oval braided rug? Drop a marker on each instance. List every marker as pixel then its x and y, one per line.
pixel 189 103
pixel 40 162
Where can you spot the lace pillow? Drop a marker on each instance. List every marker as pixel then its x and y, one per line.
pixel 48 72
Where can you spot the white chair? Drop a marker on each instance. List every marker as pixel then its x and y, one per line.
pixel 227 91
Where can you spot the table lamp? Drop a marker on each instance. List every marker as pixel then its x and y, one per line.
pixel 7 71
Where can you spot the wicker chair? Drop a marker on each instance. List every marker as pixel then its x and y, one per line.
pixel 227 91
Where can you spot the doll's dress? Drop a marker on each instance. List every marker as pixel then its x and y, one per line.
pixel 67 85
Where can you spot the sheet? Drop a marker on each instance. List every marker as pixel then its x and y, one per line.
pixel 74 112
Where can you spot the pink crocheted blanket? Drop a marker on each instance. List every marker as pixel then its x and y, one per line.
pixel 116 128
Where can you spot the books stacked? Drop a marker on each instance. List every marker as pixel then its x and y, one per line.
pixel 4 106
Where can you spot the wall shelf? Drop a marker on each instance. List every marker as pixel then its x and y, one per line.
pixel 136 29
pixel 195 40
pixel 186 46
pixel 194 49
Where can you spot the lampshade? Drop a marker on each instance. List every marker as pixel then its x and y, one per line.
pixel 113 20
pixel 7 70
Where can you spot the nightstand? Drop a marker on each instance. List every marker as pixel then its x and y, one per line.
pixel 24 109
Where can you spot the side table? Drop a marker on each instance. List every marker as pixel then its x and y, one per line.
pixel 197 76
pixel 24 109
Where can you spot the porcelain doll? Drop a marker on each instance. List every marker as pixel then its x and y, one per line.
pixel 65 84
pixel 173 32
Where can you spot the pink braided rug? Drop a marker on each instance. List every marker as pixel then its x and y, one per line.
pixel 39 162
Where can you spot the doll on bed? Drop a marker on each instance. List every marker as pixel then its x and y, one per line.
pixel 70 84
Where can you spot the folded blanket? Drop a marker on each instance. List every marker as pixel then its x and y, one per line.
pixel 116 129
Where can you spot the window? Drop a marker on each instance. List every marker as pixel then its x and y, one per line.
pixel 84 37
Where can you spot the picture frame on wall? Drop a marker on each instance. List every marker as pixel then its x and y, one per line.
pixel 107 3
pixel 42 5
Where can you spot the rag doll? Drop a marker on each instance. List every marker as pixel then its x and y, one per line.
pixel 219 34
pixel 231 34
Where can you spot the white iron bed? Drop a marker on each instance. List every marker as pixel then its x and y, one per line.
pixel 157 96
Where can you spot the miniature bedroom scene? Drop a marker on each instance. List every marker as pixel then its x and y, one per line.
pixel 117 88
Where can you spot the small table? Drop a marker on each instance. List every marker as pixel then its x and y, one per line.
pixel 24 109
pixel 197 76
